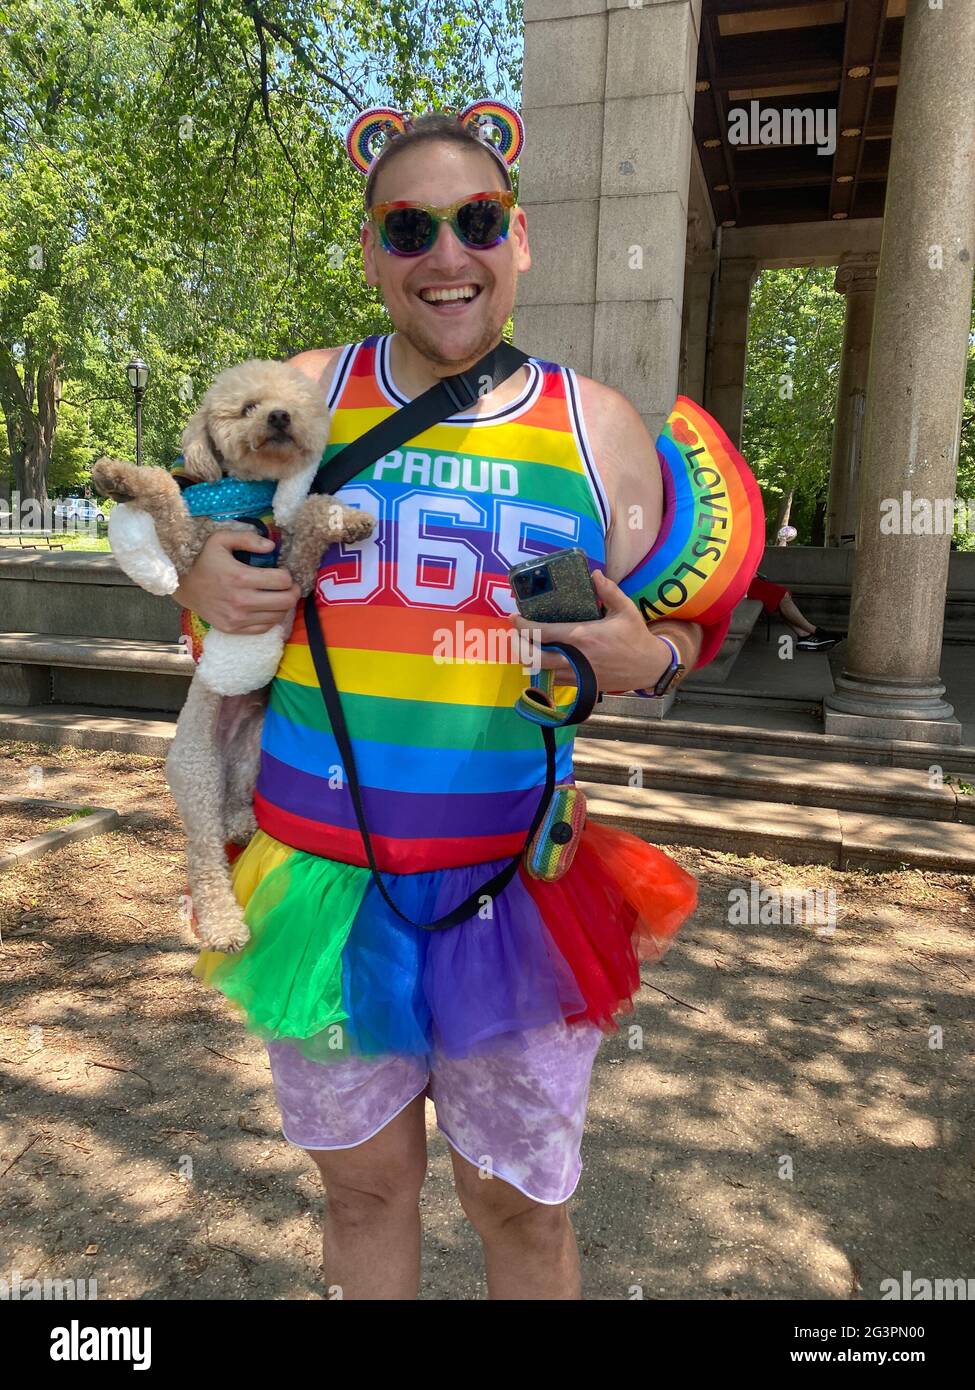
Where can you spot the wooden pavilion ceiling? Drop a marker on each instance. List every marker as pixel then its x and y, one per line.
pixel 840 55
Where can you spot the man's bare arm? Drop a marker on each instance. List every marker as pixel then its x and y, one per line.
pixel 626 458
pixel 624 652
pixel 228 594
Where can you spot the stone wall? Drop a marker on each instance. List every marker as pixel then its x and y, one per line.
pixel 80 594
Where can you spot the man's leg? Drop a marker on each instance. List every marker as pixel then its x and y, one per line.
pixel 514 1116
pixel 361 1121
pixel 529 1248
pixel 372 1218
pixel 791 613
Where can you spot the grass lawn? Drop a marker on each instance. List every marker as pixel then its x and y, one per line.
pixel 82 541
pixel 70 540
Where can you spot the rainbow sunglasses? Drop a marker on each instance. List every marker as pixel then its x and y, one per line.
pixel 480 221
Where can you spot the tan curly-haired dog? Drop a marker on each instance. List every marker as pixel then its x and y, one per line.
pixel 258 421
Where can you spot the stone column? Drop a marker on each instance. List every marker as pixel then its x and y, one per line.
pixel 856 278
pixel 890 687
pixel 608 107
pixel 729 349
pixel 698 274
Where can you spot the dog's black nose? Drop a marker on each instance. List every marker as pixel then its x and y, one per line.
pixel 278 419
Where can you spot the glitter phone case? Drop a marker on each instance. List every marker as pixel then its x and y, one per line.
pixel 555 588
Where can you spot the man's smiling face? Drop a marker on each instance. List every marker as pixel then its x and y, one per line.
pixel 460 329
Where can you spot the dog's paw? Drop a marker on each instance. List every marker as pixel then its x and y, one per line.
pixel 331 518
pixel 240 825
pixel 114 478
pixel 356 525
pixel 226 937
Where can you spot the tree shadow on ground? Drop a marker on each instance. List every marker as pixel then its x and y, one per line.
pixel 781 1126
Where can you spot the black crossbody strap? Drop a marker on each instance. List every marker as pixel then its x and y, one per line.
pixel 449 396
pixel 333 703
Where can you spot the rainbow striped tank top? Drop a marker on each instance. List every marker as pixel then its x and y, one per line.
pixel 416 622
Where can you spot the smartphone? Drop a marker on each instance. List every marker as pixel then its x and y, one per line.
pixel 556 588
pixel 262 559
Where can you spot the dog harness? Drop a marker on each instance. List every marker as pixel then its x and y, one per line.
pixel 228 499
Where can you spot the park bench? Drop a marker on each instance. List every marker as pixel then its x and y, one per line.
pixel 78 632
pixel 38 668
pixel 30 540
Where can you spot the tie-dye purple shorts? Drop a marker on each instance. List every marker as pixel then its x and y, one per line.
pixel 518 1110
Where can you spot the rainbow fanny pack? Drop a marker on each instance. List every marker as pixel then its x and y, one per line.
pixel 552 846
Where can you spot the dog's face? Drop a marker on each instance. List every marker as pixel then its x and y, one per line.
pixel 262 420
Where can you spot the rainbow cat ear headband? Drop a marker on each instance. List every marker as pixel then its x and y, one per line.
pixel 494 123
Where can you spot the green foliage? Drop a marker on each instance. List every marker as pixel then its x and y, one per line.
pixel 181 168
pixel 965 486
pixel 795 338
pixel 795 341
pixel 72 817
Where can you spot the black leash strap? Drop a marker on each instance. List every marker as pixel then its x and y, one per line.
pixel 449 396
pixel 494 885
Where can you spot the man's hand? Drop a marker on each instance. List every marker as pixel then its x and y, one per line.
pixel 232 596
pixel 623 652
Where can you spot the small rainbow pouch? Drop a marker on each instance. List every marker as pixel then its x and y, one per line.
pixel 553 846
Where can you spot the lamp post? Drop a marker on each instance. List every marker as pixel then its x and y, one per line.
pixel 138 374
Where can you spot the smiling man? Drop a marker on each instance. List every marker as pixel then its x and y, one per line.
pixel 496 1019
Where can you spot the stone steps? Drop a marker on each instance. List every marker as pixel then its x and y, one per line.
pixel 735 696
pixel 844 836
pixel 90 726
pixel 896 792
pixel 108 671
pixel 795 834
pixel 624 717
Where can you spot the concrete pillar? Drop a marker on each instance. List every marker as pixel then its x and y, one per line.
pixel 856 277
pixel 729 349
pixel 608 100
pixel 698 274
pixel 24 683
pixel 890 687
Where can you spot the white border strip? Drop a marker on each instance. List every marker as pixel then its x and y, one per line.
pixel 341 374
pixel 585 448
pixel 503 416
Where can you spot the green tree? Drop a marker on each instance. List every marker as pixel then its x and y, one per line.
pixel 173 182
pixel 795 340
pixel 795 337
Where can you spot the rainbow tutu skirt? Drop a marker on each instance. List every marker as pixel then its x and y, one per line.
pixel 333 970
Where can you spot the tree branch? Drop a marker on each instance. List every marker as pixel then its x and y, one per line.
pixel 261 21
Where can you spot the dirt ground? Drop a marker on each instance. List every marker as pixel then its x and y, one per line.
pixel 787 1114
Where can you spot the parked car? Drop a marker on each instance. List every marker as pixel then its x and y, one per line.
pixel 79 509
